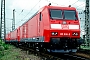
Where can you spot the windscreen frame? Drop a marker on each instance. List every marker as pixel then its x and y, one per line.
pixel 55 18
pixel 63 14
pixel 76 18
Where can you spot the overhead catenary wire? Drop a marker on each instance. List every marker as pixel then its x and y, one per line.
pixel 58 4
pixel 71 4
pixel 21 12
pixel 51 2
pixel 48 1
pixel 75 2
pixel 80 5
pixel 37 3
pixel 29 12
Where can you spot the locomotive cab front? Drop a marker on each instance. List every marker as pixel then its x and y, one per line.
pixel 64 28
pixel 64 20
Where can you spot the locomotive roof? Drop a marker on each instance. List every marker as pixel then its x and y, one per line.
pixel 50 7
pixel 62 8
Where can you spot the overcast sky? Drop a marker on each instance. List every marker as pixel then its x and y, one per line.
pixel 26 8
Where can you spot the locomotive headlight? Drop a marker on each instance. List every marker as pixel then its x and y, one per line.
pixel 75 34
pixel 54 33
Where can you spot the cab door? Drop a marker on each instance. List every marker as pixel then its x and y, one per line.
pixel 18 34
pixel 39 23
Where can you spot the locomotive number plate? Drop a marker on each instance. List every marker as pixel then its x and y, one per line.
pixel 65 34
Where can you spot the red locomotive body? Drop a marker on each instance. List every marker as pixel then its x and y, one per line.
pixel 7 37
pixel 13 36
pixel 52 27
pixel 18 34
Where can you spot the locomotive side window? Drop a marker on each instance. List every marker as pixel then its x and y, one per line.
pixel 40 18
pixel 55 14
pixel 70 15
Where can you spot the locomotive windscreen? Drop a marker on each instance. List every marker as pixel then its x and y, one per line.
pixel 56 14
pixel 70 15
pixel 63 14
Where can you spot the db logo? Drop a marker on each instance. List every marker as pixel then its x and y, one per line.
pixel 65 27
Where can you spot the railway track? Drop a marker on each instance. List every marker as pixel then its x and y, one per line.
pixel 75 57
pixel 44 56
pixel 84 51
pixel 55 56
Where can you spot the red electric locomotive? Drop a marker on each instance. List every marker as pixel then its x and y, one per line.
pixel 52 28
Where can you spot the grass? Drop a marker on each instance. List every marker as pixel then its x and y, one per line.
pixel 3 47
pixel 11 54
pixel 8 52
